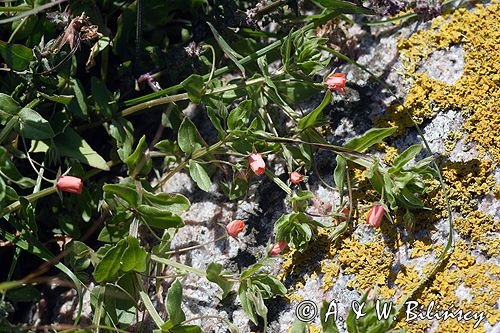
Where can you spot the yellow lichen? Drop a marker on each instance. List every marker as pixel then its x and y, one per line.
pixel 420 248
pixel 476 93
pixel 330 270
pixel 496 191
pixel 451 141
pixel 476 225
pixel 477 96
pixel 314 329
pixel 366 260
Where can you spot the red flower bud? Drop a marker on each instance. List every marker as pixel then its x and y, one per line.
pixel 336 81
pixel 375 216
pixel 278 248
pixel 256 163
pixel 235 227
pixel 345 211
pixel 296 177
pixel 69 184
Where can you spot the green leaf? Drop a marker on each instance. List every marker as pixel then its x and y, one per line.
pixel 122 131
pixel 26 293
pixel 186 329
pixel 312 118
pixel 101 96
pixel 339 175
pixel 214 274
pixel 286 50
pixel 109 266
pixel 167 146
pixel 16 56
pixel 343 7
pixel 295 229
pixel 151 309
pixel 255 267
pixel 174 300
pixel 195 87
pixel 212 115
pixel 299 327
pixel 257 302
pixel 405 157
pixel 246 303
pixel 369 138
pixel 339 230
pixel 34 126
pixel 159 218
pixel 227 49
pixel 134 257
pixel 8 105
pixel 71 144
pixel 78 105
pixel 199 175
pixel 127 193
pixel 62 99
pixel 2 189
pixel 138 163
pixel 174 203
pixel 187 137
pixel 239 116
pixel 327 324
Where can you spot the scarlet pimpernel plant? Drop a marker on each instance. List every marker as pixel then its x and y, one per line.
pixel 81 94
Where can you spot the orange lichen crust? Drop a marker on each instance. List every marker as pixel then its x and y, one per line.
pixel 476 93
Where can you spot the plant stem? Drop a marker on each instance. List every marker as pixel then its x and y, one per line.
pixel 198 153
pixel 220 71
pixel 184 249
pixel 178 265
pixel 169 99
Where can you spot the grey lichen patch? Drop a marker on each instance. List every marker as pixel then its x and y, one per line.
pixel 445 65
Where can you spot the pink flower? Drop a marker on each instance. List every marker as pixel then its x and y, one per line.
pixel 336 81
pixel 296 177
pixel 375 216
pixel 257 163
pixel 69 184
pixel 235 227
pixel 278 248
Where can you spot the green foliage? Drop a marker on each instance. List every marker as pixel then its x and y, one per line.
pixel 75 100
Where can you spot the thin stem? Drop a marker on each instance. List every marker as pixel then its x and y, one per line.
pixel 220 71
pixel 212 71
pixel 177 265
pixel 195 246
pixel 169 99
pixel 34 11
pixel 196 154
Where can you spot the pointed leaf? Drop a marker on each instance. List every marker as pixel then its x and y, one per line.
pixel 34 126
pixel 199 175
pixel 227 49
pixel 187 137
pixel 174 300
